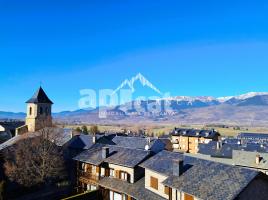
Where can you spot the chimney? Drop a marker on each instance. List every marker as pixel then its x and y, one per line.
pixel 149 141
pixel 105 152
pixel 258 159
pixel 177 167
pixel 94 139
pixel 219 145
pixel 72 133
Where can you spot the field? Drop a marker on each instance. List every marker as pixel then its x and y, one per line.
pixel 164 129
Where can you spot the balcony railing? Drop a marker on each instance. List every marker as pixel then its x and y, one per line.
pixel 88 175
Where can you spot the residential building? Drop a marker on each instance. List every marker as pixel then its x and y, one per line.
pixel 158 168
pixel 114 171
pixel 215 181
pixel 121 173
pixel 248 155
pixel 188 140
pixel 258 138
pixel 175 176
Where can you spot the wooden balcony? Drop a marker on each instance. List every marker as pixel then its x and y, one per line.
pixel 87 177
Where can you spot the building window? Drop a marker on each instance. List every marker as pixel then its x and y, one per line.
pixel 112 173
pixel 94 169
pixel 30 111
pixel 124 176
pixel 117 196
pixel 154 183
pixel 41 111
pixel 91 187
pixel 102 172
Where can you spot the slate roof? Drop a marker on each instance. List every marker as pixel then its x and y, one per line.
pixel 212 181
pixel 58 135
pixel 136 190
pixel 210 134
pixel 12 125
pixel 61 136
pixel 91 156
pixel 254 147
pixel 9 142
pixel 162 162
pixel 231 141
pixel 39 97
pixel 82 141
pixel 133 142
pixel 126 157
pixel 253 137
pixel 226 150
pixel 248 159
pixel 117 155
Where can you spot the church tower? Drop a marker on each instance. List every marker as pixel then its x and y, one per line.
pixel 38 111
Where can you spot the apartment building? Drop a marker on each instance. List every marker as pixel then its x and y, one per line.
pixel 114 171
pixel 233 152
pixel 188 140
pixel 175 176
pixel 119 173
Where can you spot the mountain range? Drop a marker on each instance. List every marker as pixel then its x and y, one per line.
pixel 247 109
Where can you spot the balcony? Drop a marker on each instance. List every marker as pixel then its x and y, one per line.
pixel 88 177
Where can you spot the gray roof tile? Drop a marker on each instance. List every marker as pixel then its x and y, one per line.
pixel 136 190
pixel 127 157
pixel 162 162
pixel 212 181
pixel 117 155
pixel 195 133
pixel 133 142
pixel 39 97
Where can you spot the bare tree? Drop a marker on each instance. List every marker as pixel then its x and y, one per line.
pixel 94 129
pixel 35 160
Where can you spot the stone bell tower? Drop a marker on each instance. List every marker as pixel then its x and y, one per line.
pixel 38 111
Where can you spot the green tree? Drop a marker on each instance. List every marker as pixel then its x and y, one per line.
pixel 94 129
pixel 84 129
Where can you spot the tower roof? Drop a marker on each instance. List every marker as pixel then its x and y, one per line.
pixel 39 97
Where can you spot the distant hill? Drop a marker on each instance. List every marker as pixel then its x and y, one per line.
pixel 247 109
pixel 11 115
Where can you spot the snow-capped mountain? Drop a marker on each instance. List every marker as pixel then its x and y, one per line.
pixel 130 83
pixel 220 100
pixel 249 95
pixel 246 108
pixel 191 99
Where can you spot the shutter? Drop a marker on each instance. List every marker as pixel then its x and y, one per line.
pixel 88 168
pixel 166 190
pixel 117 174
pixel 128 177
pixel 97 170
pixel 107 172
pixel 188 197
pixel 154 183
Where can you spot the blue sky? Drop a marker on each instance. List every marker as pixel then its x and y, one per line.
pixel 215 48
